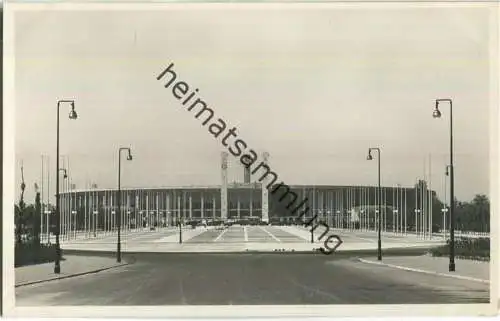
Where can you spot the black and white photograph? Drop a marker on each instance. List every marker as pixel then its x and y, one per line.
pixel 265 159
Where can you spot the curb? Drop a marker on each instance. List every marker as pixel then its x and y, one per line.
pixel 70 276
pixel 461 277
pixel 131 255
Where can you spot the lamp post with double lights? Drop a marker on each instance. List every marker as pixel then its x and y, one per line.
pixel 369 157
pixel 72 115
pixel 437 114
pixel 119 201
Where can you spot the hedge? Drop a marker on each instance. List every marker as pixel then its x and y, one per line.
pixel 466 248
pixel 29 253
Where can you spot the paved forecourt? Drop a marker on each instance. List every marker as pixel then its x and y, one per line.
pixel 239 279
pixel 239 239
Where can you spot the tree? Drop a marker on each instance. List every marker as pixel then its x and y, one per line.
pixel 474 215
pixel 19 222
pixel 480 209
pixel 36 224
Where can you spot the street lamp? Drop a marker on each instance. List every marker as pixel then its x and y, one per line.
pixel 64 171
pixel 72 115
pixel 119 201
pixel 369 157
pixel 437 114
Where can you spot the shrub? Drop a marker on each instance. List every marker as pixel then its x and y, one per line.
pixel 467 248
pixel 31 253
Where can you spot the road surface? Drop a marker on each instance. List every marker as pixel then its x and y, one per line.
pixel 249 279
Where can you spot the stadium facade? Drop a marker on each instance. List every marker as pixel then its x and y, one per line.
pixel 338 206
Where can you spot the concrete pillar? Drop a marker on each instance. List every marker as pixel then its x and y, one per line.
pixel 246 174
pixel 104 204
pixel 179 215
pixel 239 205
pixel 202 214
pixel 175 215
pixel 112 209
pixel 190 206
pixel 136 209
pixel 168 211
pixel 184 207
pixel 251 202
pixel 148 215
pixel 213 208
pixel 224 165
pixel 157 209
pixel 265 193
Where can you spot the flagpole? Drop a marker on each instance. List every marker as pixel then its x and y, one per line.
pixel 75 211
pixel 396 222
pixel 137 208
pixel 394 208
pixel 61 208
pixel 157 210
pixel 362 209
pixel 68 210
pixel 75 205
pixel 384 191
pixel 43 206
pixel 406 209
pixel 398 205
pixel 420 207
pixel 416 208
pixel 401 202
pixel 105 214
pixel 61 200
pixel 68 206
pixel 445 209
pixel 128 212
pixel 49 211
pixel 70 203
pixel 94 214
pixel 400 209
pixel 85 208
pixel 430 196
pixel 113 211
pixel 64 200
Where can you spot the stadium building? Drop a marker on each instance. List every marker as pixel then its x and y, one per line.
pixel 248 203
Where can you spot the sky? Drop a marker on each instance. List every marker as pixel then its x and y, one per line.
pixel 313 87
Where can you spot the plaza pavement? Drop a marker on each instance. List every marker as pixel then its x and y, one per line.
pixel 470 270
pixel 157 263
pixel 70 266
pixel 240 239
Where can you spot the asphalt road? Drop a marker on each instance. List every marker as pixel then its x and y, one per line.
pixel 246 279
